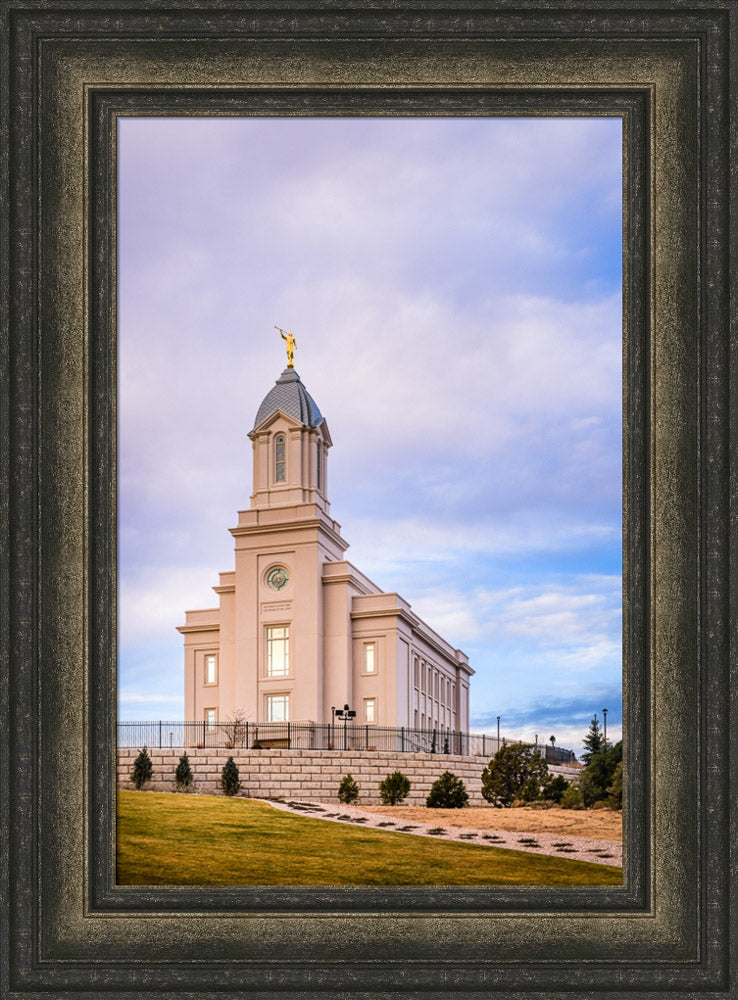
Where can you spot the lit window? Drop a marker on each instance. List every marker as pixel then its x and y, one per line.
pixel 278 707
pixel 279 458
pixel 278 651
pixel 210 717
pixel 210 674
pixel 370 663
pixel 370 710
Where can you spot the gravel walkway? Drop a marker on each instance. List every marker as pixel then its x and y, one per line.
pixel 604 852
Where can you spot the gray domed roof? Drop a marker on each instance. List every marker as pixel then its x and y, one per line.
pixel 291 397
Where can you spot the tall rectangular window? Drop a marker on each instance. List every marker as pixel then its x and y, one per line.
pixel 370 710
pixel 211 676
pixel 370 662
pixel 278 708
pixel 278 650
pixel 279 464
pixel 210 717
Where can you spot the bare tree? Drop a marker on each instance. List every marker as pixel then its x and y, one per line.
pixel 236 729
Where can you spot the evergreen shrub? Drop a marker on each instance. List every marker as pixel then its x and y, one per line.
pixel 229 780
pixel 183 777
pixel 142 769
pixel 348 790
pixel 554 789
pixel 531 790
pixel 394 788
pixel 572 798
pixel 510 771
pixel 447 792
pixel 615 791
pixel 599 774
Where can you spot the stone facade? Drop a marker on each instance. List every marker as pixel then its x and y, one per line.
pixel 314 775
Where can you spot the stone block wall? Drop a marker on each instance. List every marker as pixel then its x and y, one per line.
pixel 311 775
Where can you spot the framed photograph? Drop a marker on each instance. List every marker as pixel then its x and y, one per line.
pixel 72 74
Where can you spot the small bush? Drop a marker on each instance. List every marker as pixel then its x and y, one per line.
pixel 183 778
pixel 229 780
pixel 509 771
pixel 142 769
pixel 348 790
pixel 447 792
pixel 555 788
pixel 615 791
pixel 394 788
pixel 531 790
pixel 572 798
pixel 599 774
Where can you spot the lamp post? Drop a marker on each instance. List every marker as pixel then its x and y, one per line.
pixel 604 716
pixel 333 722
pixel 345 713
pixel 536 741
pixel 498 732
pixel 553 748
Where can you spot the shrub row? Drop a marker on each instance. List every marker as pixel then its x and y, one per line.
pixel 516 774
pixel 183 777
pixel 447 792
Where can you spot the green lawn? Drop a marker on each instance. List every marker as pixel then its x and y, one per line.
pixel 170 839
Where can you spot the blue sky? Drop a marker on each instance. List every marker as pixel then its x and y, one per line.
pixel 454 286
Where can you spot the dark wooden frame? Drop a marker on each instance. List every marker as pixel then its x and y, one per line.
pixel 69 69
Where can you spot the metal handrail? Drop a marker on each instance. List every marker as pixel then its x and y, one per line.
pixel 243 734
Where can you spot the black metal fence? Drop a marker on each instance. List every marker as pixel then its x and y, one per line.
pixel 313 736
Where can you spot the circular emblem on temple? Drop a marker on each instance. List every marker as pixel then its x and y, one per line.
pixel 277 578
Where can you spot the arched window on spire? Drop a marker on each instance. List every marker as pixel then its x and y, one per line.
pixel 279 465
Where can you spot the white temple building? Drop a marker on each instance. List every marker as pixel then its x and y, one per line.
pixel 298 629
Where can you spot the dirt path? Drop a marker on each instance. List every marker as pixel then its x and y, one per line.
pixel 483 826
pixel 605 824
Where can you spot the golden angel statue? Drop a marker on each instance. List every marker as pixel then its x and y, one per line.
pixel 291 345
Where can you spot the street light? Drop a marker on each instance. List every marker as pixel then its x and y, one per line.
pixel 345 713
pixel 553 748
pixel 604 716
pixel 498 732
pixel 333 722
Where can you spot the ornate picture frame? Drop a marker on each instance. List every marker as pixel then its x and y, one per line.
pixel 70 70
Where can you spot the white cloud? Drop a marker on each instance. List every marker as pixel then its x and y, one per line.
pixel 153 601
pixel 141 697
pixel 572 620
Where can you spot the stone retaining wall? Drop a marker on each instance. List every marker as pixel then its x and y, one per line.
pixel 312 775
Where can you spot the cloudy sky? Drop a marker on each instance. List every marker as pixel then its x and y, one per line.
pixel 454 286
